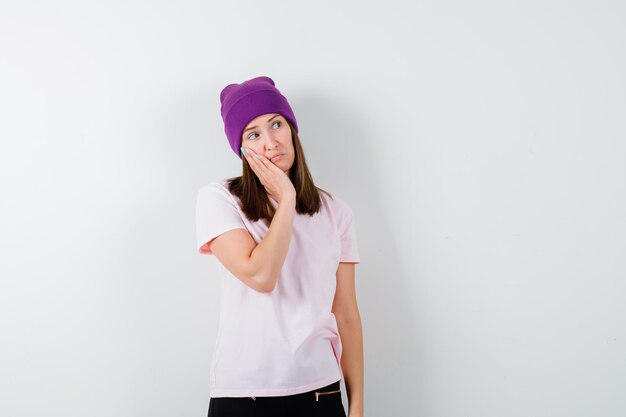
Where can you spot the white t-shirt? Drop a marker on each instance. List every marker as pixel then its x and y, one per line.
pixel 286 341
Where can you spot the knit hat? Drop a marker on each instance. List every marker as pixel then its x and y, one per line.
pixel 252 98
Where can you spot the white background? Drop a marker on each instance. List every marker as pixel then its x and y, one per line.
pixel 480 144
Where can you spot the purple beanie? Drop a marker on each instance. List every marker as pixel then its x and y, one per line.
pixel 252 98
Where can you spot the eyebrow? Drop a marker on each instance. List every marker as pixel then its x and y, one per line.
pixel 254 127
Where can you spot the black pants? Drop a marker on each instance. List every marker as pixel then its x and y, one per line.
pixel 307 404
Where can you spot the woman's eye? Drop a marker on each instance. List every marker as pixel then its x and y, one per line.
pixel 276 122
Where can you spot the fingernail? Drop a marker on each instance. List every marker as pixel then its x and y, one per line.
pixel 257 156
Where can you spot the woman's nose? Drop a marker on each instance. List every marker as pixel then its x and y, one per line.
pixel 270 142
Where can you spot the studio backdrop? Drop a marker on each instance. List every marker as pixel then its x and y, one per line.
pixel 481 146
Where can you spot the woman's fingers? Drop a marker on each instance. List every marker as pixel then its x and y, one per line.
pixel 259 161
pixel 271 176
pixel 260 165
pixel 251 160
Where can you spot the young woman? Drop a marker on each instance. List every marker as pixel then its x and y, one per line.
pixel 289 325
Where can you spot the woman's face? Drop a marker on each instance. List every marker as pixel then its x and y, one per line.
pixel 270 135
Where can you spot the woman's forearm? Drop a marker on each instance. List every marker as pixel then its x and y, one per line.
pixel 269 255
pixel 351 333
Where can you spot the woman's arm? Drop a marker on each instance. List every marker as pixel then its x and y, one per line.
pixel 269 255
pixel 257 266
pixel 346 312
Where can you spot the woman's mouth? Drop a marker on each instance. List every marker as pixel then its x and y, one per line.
pixel 276 158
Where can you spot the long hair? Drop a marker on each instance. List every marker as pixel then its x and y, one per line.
pixel 255 202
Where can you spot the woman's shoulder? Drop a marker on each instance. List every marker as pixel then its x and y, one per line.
pixel 219 184
pixel 336 202
pixel 216 189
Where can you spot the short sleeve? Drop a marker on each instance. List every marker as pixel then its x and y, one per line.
pixel 216 213
pixel 347 232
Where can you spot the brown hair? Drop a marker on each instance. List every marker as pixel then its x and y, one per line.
pixel 255 202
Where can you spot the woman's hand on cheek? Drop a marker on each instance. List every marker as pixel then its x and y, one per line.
pixel 275 181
